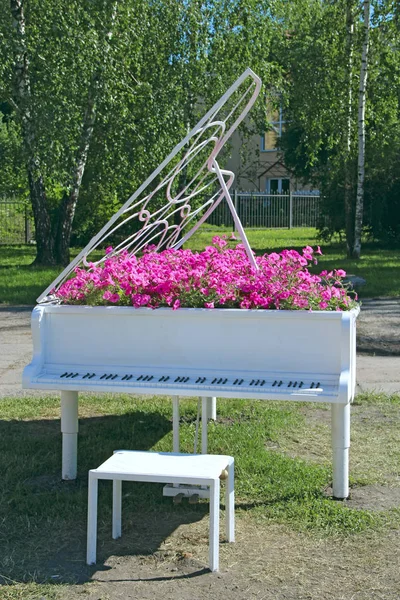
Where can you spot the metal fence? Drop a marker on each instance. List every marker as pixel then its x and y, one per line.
pixel 255 210
pixel 259 210
pixel 16 222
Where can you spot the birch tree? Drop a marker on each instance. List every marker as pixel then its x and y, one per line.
pixel 348 187
pixel 358 218
pixel 58 66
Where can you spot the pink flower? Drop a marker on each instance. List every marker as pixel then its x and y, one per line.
pixel 109 249
pixel 217 277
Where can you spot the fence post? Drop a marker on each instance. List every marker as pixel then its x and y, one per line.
pixel 236 203
pixel 290 210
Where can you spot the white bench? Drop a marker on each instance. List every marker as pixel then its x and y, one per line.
pixel 164 467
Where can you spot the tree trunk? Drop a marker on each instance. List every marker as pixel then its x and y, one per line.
pixel 68 205
pixel 361 133
pixel 22 98
pixel 43 229
pixel 348 188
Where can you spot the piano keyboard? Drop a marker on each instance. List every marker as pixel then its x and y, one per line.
pixel 198 384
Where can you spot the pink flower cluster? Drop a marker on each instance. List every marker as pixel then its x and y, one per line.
pixel 219 277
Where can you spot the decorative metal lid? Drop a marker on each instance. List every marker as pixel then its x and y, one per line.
pixel 189 200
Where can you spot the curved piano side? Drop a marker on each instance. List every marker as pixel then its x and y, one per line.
pixel 35 367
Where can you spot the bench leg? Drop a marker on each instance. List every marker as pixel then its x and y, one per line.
pixel 69 429
pixel 92 520
pixel 340 449
pixel 117 508
pixel 214 526
pixel 230 505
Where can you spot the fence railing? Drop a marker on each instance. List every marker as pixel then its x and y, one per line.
pixel 16 222
pixel 255 210
pixel 259 210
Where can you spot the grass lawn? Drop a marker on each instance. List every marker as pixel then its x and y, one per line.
pixel 282 464
pixel 20 283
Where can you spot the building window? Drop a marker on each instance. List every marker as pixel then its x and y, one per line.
pixel 278 186
pixel 269 141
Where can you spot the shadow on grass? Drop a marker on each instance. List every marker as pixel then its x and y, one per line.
pixel 43 519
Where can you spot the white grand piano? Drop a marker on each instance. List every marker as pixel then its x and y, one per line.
pixel 259 354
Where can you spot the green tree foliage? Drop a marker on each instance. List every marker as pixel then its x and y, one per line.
pixel 101 92
pixel 315 55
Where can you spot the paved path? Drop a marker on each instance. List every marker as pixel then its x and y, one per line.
pixel 379 320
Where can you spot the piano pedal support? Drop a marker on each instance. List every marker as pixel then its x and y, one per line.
pixel 186 491
pixel 208 411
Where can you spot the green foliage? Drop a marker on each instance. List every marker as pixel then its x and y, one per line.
pixel 12 169
pixel 316 98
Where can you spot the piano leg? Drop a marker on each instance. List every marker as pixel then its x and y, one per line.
pixel 340 446
pixel 175 423
pixel 212 408
pixel 69 430
pixel 204 423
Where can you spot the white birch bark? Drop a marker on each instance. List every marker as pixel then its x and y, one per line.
pixel 70 200
pixel 348 200
pixel 361 133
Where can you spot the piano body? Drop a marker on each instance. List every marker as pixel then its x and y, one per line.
pixel 230 353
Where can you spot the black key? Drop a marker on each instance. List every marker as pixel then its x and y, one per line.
pixel 295 384
pixel 114 377
pixel 274 384
pixel 64 374
pixel 140 377
pixel 312 385
pixel 301 384
pixel 318 384
pixel 290 384
pixel 251 382
pixel 280 383
pixel 92 375
pixel 263 382
pixel 102 377
pixel 128 377
pixel 224 381
pixel 214 380
pixel 109 376
pixel 241 381
pixel 167 377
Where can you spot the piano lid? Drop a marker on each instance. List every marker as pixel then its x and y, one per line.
pixel 170 207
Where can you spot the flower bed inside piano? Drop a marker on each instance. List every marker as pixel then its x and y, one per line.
pixel 225 334
pixel 219 277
